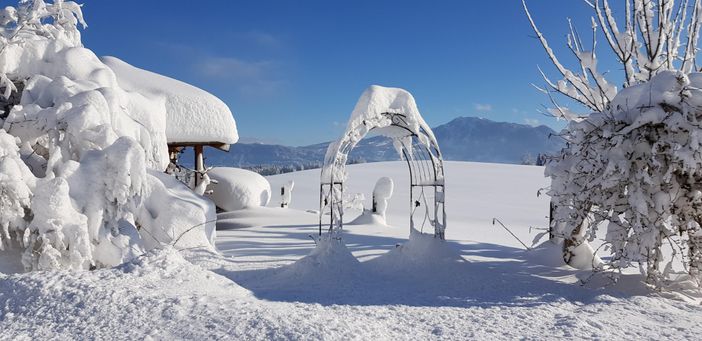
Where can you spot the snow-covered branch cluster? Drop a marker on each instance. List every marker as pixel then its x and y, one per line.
pixel 636 166
pixel 80 158
pixel 655 36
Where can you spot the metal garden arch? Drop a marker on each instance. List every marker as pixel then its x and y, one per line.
pixel 391 112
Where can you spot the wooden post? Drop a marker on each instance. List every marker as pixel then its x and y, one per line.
pixel 283 203
pixel 199 163
pixel 551 208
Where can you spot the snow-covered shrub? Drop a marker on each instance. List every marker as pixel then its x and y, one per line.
pixel 235 189
pixel 16 186
pixel 77 149
pixel 58 236
pixel 638 167
pixel 173 214
pixel 635 162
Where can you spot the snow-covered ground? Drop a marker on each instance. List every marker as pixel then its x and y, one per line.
pixel 479 284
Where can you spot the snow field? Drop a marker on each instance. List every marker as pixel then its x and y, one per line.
pixel 271 284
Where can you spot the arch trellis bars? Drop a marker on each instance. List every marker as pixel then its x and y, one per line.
pixel 391 112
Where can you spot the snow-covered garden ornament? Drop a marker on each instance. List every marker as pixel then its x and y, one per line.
pixel 381 194
pixel 391 112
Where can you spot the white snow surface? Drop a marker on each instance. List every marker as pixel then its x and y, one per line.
pixel 192 114
pixel 237 188
pixel 271 282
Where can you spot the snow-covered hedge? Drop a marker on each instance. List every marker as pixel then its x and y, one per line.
pixel 77 153
pixel 636 166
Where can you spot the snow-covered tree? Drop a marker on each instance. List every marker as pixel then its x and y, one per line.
pixel 635 162
pixel 80 158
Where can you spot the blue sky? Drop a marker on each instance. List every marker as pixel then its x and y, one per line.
pixel 291 71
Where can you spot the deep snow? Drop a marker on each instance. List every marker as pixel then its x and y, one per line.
pixel 268 284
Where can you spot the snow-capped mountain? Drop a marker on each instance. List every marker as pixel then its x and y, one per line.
pixel 462 139
pixel 483 140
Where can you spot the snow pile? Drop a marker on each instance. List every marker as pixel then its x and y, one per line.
pixel 192 114
pixel 636 167
pixel 76 150
pixel 236 189
pixel 329 263
pixel 378 109
pixel 367 217
pixel 421 253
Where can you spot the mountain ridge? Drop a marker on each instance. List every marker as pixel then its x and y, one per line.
pixel 461 139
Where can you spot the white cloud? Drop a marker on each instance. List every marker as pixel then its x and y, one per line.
pixel 263 39
pixel 532 122
pixel 230 67
pixel 482 107
pixel 249 77
pixel 261 76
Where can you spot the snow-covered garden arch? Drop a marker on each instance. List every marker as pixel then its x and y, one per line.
pixel 391 112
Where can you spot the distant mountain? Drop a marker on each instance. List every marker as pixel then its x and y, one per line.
pixel 483 140
pixel 462 139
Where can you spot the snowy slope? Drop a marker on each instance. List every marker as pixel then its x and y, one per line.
pixel 478 285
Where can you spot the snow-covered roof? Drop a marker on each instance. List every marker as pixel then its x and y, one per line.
pixel 193 115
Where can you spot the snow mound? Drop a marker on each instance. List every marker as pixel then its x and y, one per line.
pixel 330 260
pixel 367 217
pixel 547 253
pixel 167 263
pixel 238 189
pixel 192 114
pixel 422 252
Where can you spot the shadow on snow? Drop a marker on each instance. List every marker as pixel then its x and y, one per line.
pixel 493 275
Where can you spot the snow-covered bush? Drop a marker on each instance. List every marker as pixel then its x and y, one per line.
pixel 637 166
pixel 235 189
pixel 76 150
pixel 635 162
pixel 16 186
